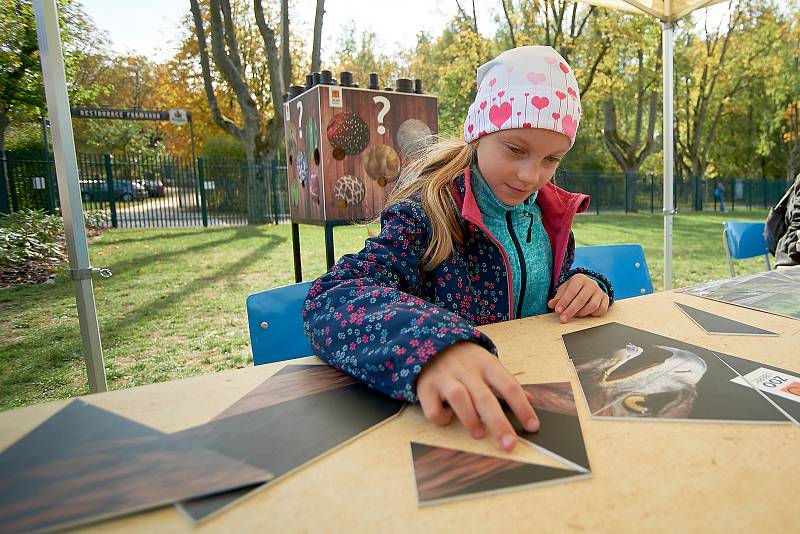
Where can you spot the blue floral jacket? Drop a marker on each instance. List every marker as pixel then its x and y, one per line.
pixel 378 316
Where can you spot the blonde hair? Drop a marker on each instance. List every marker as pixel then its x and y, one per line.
pixel 428 177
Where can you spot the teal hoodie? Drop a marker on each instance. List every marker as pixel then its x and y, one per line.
pixel 520 231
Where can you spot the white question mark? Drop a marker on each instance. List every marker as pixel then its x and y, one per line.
pixel 300 119
pixel 382 113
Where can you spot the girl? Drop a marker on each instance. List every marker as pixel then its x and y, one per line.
pixel 474 233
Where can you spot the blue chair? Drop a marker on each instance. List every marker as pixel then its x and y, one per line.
pixel 624 265
pixel 276 324
pixel 744 240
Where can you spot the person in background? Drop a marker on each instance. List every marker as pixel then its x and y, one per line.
pixel 782 229
pixel 719 194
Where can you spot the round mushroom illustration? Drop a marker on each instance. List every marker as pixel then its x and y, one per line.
pixel 413 136
pixel 348 132
pixel 301 166
pixel 382 164
pixel 313 187
pixel 349 191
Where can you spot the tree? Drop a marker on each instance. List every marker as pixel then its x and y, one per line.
pixel 357 55
pixel 578 32
pixel 125 81
pixel 20 72
pixel 228 63
pixel 783 129
pixel 712 72
pixel 21 88
pixel 749 133
pixel 632 80
pixel 448 65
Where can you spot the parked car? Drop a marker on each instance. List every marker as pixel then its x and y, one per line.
pixel 154 187
pixel 125 190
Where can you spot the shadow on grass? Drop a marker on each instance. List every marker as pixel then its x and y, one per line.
pixel 172 233
pixel 64 340
pixel 140 261
pixel 35 294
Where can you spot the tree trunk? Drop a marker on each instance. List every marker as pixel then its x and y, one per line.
pixel 3 127
pixel 256 201
pixel 792 142
pixel 510 24
pixel 255 137
pixel 630 156
pixel 317 46
pixel 229 65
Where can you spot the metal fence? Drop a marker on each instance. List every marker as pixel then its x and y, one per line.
pixel 138 192
pixel 633 193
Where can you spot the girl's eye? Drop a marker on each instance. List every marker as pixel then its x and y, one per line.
pixel 513 149
pixel 553 159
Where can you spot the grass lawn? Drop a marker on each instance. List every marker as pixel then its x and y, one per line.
pixel 175 305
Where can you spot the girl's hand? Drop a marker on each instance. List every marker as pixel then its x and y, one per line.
pixel 464 379
pixel 578 297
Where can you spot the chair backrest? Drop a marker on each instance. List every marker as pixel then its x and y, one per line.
pixel 276 324
pixel 624 265
pixel 744 240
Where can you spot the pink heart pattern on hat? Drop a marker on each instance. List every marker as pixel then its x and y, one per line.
pixel 536 78
pixel 570 126
pixel 498 115
pixel 540 102
pixel 525 87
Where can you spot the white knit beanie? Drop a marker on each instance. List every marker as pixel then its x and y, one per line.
pixel 525 87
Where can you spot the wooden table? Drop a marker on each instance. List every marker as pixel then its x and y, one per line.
pixel 646 475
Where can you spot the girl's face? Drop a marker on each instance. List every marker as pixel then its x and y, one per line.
pixel 516 163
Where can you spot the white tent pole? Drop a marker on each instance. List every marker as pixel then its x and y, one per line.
pixel 55 85
pixel 669 202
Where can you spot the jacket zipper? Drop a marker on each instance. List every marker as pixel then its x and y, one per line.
pixel 523 279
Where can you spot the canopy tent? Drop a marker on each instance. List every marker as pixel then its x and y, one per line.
pixel 663 9
pixel 669 11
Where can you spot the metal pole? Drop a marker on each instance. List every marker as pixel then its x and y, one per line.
pixel 202 184
pixel 4 207
pixel 669 206
pixel 58 110
pixel 273 171
pixel 194 166
pixel 298 267
pixel 112 201
pixel 330 258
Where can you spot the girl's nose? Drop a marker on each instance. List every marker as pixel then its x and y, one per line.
pixel 530 174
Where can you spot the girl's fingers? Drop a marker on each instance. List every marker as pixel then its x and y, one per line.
pixel 491 413
pixel 553 302
pixel 432 406
pixel 519 400
pixel 576 303
pixel 460 400
pixel 592 305
pixel 567 291
pixel 528 395
pixel 603 307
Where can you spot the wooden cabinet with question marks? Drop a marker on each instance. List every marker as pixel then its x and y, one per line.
pixel 345 147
